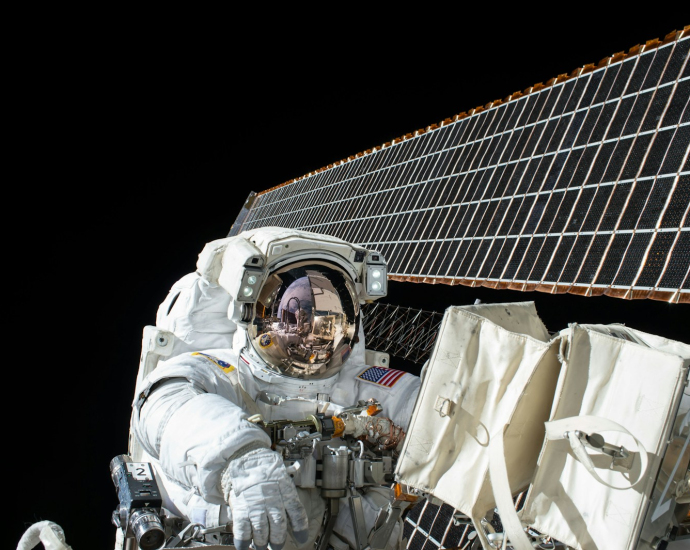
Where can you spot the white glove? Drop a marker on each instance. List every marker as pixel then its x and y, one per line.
pixel 261 493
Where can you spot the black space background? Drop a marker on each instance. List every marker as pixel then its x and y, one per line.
pixel 134 145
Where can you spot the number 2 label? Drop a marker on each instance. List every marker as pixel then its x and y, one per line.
pixel 141 471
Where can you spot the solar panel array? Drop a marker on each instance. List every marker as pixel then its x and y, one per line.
pixel 430 526
pixel 580 185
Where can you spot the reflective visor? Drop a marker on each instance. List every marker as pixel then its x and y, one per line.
pixel 305 320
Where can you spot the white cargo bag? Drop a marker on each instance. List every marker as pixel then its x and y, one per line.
pixel 492 365
pixel 625 386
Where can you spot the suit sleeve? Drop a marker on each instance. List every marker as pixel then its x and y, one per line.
pixel 193 422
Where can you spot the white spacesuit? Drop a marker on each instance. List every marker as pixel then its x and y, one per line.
pixel 267 328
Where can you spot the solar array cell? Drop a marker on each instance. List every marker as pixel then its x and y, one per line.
pixel 582 183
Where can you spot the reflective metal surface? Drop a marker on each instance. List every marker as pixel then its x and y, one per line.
pixel 306 319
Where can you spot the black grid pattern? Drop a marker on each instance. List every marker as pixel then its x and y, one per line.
pixel 429 526
pixel 578 186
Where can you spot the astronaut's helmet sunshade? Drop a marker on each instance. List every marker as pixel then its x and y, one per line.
pixel 306 320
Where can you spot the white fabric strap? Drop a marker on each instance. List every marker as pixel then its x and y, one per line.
pixel 554 430
pixel 502 494
pixel 591 424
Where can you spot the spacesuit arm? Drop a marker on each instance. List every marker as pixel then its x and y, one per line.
pixel 193 432
pixel 196 312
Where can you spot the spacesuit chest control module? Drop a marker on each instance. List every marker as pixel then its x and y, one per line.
pixel 256 418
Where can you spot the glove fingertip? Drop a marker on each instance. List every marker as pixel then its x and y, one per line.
pixel 301 536
pixel 242 544
pixel 275 546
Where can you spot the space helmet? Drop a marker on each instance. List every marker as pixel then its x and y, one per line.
pixel 306 320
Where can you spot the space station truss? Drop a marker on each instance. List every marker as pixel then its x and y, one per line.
pixel 401 331
pixel 580 184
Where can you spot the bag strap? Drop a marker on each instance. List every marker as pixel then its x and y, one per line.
pixel 565 428
pixel 503 496
pixel 514 529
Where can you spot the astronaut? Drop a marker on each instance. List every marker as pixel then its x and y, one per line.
pixel 267 328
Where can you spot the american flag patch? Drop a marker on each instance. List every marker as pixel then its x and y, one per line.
pixel 381 376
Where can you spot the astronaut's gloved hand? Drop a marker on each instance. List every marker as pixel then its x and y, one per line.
pixel 263 498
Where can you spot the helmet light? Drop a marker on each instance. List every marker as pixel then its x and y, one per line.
pixel 376 280
pixel 251 284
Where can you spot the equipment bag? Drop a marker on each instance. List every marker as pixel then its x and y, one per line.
pixel 493 365
pixel 614 410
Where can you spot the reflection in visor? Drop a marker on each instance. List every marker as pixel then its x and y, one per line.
pixel 305 321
